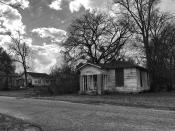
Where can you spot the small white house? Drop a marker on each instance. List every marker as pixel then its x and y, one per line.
pixel 117 76
pixel 37 79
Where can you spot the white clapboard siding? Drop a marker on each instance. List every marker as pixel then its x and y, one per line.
pixel 130 79
pixel 145 82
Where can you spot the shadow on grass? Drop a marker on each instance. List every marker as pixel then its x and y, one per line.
pixel 9 123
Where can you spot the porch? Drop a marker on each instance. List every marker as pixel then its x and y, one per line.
pixel 93 83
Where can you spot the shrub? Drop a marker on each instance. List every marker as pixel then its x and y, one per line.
pixel 64 81
pixel 3 84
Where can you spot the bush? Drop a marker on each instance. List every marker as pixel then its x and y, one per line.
pixel 64 81
pixel 4 84
pixel 161 83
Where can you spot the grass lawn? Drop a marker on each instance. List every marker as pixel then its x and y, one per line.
pixel 8 123
pixel 160 100
pixel 164 100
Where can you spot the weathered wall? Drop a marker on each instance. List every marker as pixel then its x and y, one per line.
pixel 35 80
pixel 130 78
pixel 145 81
pixel 131 81
pixel 111 80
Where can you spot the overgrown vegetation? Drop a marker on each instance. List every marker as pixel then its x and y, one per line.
pixel 155 33
pixel 99 38
pixel 65 80
pixel 6 68
pixel 95 37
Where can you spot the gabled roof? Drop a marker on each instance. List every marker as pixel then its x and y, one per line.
pixel 34 74
pixel 115 65
pixel 95 65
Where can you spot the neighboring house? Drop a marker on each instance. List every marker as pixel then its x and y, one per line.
pixel 117 76
pixel 36 79
pixel 8 80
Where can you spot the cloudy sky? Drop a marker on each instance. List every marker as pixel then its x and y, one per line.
pixel 45 23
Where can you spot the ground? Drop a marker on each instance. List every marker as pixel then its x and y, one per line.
pixel 67 116
pixel 160 100
pixel 8 123
pixel 163 101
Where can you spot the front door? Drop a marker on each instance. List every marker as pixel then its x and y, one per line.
pixel 94 82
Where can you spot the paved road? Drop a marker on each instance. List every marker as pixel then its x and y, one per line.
pixel 65 116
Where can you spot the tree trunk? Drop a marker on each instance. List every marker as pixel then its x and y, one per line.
pixel 149 62
pixel 173 72
pixel 147 53
pixel 25 75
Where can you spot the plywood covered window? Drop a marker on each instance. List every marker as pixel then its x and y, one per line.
pixel 119 77
pixel 141 82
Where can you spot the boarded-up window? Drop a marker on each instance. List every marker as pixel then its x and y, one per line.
pixel 119 77
pixel 141 82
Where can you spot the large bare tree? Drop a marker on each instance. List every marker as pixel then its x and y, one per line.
pixel 140 12
pixel 96 37
pixel 162 48
pixel 21 51
pixel 165 50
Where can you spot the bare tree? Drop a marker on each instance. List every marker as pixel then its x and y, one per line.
pixel 162 48
pixel 96 37
pixel 158 33
pixel 167 54
pixel 21 51
pixel 140 12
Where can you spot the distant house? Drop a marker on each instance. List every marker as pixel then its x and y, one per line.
pixel 116 76
pixel 36 79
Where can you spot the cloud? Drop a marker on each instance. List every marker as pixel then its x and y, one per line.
pixel 24 3
pixel 11 19
pixel 45 57
pixel 168 5
pixel 56 5
pixel 4 40
pixel 42 58
pixel 56 35
pixel 75 5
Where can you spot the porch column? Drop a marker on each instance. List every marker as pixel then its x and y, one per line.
pixel 81 84
pixel 99 84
